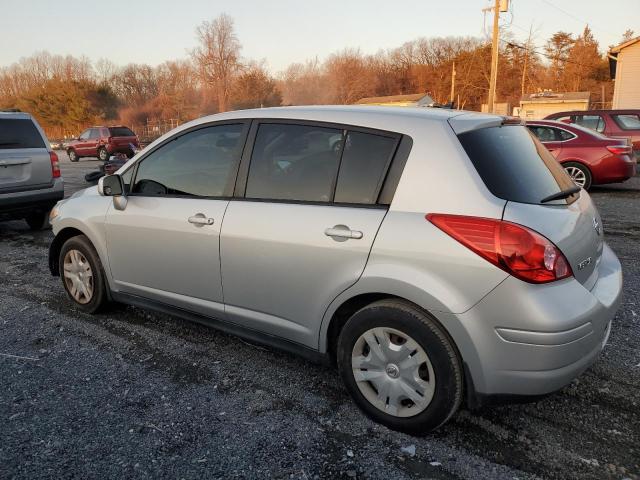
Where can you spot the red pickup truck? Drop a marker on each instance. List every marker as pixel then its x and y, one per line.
pixel 102 142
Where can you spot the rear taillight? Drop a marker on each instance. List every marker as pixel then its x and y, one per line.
pixel 619 149
pixel 55 164
pixel 517 250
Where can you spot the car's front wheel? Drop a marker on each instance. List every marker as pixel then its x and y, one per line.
pixel 400 367
pixel 73 156
pixel 580 174
pixel 82 274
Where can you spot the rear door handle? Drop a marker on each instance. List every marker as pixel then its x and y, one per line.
pixel 200 219
pixel 340 233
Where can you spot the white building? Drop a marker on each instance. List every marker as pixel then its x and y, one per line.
pixel 624 62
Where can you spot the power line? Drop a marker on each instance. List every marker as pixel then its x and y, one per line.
pixel 574 17
pixel 536 50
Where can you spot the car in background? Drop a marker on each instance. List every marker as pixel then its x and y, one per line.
pixel 102 142
pixel 405 256
pixel 611 123
pixel 56 144
pixel 30 180
pixel 587 156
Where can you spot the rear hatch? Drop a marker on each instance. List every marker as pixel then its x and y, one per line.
pixel 25 163
pixel 516 167
pixel 121 137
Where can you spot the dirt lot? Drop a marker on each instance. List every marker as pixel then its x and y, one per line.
pixel 136 394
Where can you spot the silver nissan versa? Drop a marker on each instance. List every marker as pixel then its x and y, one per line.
pixel 436 256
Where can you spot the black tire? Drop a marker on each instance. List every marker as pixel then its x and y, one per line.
pixel 568 166
pixel 103 155
pixel 37 220
pixel 445 360
pixel 73 156
pixel 99 297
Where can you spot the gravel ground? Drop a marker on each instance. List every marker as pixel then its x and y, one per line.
pixel 136 394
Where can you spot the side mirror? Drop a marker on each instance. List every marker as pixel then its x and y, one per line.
pixel 110 186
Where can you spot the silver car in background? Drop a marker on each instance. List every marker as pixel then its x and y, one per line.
pixel 436 256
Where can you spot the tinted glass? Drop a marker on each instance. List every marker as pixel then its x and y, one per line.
pixel 364 163
pixel 544 134
pixel 94 133
pixel 85 135
pixel 121 132
pixel 294 162
pixel 594 122
pixel 513 164
pixel 19 133
pixel 199 163
pixel 627 121
pixel 563 134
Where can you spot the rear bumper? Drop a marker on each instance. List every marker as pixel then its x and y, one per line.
pixel 17 203
pixel 617 169
pixel 531 340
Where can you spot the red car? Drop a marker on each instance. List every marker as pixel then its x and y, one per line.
pixel 588 156
pixel 102 142
pixel 612 123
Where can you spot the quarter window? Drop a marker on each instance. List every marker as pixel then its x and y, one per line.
pixel 200 163
pixel 365 160
pixel 294 162
pixel 628 121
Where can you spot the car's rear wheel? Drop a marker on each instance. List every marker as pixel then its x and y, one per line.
pixel 82 274
pixel 580 174
pixel 37 220
pixel 400 367
pixel 103 155
pixel 73 156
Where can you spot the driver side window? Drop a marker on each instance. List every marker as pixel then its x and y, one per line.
pixel 85 135
pixel 200 163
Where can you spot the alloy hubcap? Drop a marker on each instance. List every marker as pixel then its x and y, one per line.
pixel 78 276
pixel 393 372
pixel 577 175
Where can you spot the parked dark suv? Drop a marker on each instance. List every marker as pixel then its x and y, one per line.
pixel 611 123
pixel 102 142
pixel 30 180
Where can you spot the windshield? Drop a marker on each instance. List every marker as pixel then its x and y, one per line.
pixel 514 165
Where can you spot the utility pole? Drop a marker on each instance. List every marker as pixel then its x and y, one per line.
pixel 494 58
pixel 453 83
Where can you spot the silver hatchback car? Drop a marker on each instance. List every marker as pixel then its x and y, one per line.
pixel 436 256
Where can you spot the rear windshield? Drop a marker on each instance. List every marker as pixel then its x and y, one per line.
pixel 121 132
pixel 19 133
pixel 513 164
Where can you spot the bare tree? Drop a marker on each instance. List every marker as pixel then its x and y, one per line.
pixel 218 56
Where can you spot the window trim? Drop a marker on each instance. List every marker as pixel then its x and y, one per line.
pixel 234 173
pixel 243 173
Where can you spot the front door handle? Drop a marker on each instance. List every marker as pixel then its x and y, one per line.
pixel 200 219
pixel 341 233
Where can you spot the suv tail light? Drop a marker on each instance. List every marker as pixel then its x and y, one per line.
pixel 619 149
pixel 55 164
pixel 517 250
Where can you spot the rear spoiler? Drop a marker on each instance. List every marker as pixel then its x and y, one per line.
pixel 472 121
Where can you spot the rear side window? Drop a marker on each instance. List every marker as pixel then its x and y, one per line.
pixel 513 164
pixel 365 160
pixel 628 121
pixel 19 133
pixel 121 132
pixel 294 162
pixel 593 122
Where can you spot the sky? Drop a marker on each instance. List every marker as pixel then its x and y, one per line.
pixel 284 31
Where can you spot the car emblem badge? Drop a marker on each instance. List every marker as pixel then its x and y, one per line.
pixel 596 225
